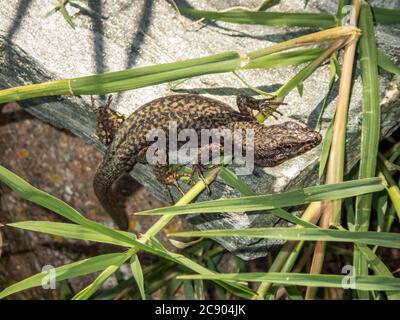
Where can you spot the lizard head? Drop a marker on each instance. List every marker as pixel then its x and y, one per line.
pixel 278 143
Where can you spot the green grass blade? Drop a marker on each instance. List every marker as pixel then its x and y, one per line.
pixel 394 156
pixel 152 275
pixel 87 292
pixel 52 11
pixel 234 181
pixel 326 147
pixel 137 273
pixel 276 200
pixel 67 16
pixel 188 290
pixel 284 59
pixel 225 58
pixel 104 275
pixel 380 204
pixel 266 4
pixel 394 194
pixel 283 262
pixel 68 271
pixel 237 289
pixel 334 70
pixel 370 131
pixel 309 280
pixel 32 194
pixel 379 268
pixel 289 19
pixel 126 79
pixel 153 79
pixel 384 239
pixel 386 16
pixel 387 64
pixel 26 191
pixel 303 74
pixel 293 293
pixel 339 11
pixel 198 286
pixel 393 189
pixel 70 230
pixel 73 231
pixel 157 74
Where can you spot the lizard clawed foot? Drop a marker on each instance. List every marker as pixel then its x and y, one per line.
pixel 177 186
pixel 247 104
pixel 107 121
pixel 270 107
pixel 106 106
pixel 200 169
pixel 168 176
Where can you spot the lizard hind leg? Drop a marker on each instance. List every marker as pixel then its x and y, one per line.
pixel 168 175
pixel 107 121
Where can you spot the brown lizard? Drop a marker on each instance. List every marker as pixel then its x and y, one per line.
pixel 127 145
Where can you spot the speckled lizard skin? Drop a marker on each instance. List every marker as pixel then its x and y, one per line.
pixel 127 143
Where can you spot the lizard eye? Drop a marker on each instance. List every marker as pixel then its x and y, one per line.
pixel 287 147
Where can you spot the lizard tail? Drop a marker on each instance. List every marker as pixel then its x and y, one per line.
pixel 102 185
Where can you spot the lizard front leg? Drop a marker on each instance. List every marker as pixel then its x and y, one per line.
pixel 107 121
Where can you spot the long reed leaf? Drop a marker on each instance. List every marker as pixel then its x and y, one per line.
pixel 370 131
pixel 72 231
pixel 68 271
pixel 386 16
pixel 233 180
pixel 379 268
pixel 329 281
pixel 289 19
pixel 387 64
pixel 145 76
pixel 284 59
pixel 276 200
pixel 384 239
pixel 88 291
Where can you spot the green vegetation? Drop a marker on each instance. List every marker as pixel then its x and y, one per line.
pixel 338 211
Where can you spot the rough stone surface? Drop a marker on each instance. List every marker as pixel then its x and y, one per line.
pixel 114 35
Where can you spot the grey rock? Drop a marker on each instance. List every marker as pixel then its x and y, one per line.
pixel 115 35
